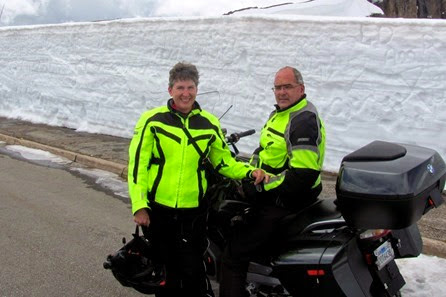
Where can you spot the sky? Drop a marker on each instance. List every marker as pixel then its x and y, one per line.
pixel 28 12
pixel 424 275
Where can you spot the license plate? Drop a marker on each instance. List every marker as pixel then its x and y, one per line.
pixel 384 254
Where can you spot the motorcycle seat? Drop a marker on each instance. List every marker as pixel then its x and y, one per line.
pixel 320 213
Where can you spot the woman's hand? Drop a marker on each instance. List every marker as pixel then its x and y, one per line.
pixel 141 217
pixel 259 175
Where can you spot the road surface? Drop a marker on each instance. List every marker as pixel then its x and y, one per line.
pixel 56 231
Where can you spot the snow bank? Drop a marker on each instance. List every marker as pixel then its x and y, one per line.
pixel 370 78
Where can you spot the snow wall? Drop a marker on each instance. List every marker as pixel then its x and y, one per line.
pixel 370 78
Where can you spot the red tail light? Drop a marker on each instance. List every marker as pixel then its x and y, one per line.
pixel 374 234
pixel 368 259
pixel 315 272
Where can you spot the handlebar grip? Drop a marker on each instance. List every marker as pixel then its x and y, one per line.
pixel 246 133
pixel 234 137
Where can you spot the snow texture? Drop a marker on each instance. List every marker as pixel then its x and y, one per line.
pixel 370 78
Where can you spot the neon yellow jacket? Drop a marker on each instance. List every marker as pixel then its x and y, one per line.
pixel 164 165
pixel 292 146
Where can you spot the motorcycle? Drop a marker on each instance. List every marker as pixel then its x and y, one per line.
pixel 345 245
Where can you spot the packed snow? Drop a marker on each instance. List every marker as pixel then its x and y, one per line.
pixel 370 78
pixel 27 12
pixel 424 275
pixel 316 8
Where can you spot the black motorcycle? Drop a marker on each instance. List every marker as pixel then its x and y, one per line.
pixel 343 246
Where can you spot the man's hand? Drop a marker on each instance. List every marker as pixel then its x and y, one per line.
pixel 141 217
pixel 259 176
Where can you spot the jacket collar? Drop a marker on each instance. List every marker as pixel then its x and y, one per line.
pixel 195 108
pixel 304 96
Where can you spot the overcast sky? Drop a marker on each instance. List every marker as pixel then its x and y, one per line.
pixel 27 12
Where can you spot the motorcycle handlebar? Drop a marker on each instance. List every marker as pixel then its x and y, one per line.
pixel 246 133
pixel 234 137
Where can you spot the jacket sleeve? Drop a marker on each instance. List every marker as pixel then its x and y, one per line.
pixel 140 152
pixel 222 160
pixel 303 137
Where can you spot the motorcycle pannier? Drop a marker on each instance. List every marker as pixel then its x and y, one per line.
pixel 388 185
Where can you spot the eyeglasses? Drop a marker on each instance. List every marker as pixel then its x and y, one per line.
pixel 286 87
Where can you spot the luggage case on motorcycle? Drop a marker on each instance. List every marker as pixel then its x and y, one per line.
pixel 332 264
pixel 388 185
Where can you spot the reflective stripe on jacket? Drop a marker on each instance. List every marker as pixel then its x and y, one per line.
pixel 165 166
pixel 292 143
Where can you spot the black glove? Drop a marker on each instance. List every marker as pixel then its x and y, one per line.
pixel 251 192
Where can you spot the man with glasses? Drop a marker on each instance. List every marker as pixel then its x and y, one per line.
pixel 292 148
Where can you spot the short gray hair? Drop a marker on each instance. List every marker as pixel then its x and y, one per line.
pixel 297 75
pixel 183 71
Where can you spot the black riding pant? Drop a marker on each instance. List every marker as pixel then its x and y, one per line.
pixel 256 239
pixel 179 241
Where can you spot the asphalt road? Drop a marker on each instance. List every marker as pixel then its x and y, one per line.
pixel 56 231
